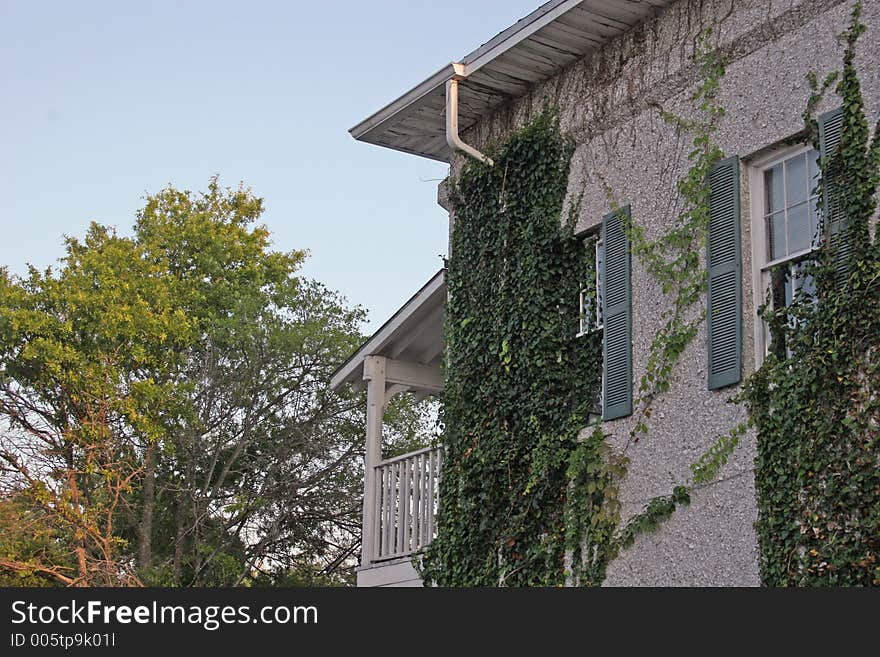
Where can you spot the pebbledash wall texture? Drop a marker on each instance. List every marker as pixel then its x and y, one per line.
pixel 608 103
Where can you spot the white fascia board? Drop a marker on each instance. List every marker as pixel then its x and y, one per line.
pixel 492 49
pixel 350 369
pixel 438 80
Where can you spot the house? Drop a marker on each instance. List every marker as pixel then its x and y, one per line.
pixel 608 65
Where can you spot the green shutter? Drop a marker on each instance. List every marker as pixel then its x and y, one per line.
pixel 724 263
pixel 617 317
pixel 834 219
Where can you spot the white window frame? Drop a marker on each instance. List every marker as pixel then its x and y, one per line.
pixel 761 266
pixel 598 319
pixel 598 323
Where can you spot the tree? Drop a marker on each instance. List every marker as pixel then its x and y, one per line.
pixel 85 383
pixel 168 403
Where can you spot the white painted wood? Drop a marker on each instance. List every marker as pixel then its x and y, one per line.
pixel 406 505
pixel 393 390
pixel 388 511
pixel 403 506
pixel 379 505
pixel 431 353
pixel 410 583
pixel 417 514
pixel 374 374
pixel 414 375
pixel 408 455
pixel 394 574
pixel 435 492
pixel 433 292
pixel 403 343
pixel 426 501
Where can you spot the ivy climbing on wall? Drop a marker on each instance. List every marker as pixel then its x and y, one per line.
pixel 815 400
pixel 526 499
pixel 523 500
pixel 519 385
pixel 673 258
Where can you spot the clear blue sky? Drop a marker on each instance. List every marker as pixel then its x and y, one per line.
pixel 102 102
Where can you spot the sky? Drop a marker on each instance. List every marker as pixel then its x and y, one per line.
pixel 104 102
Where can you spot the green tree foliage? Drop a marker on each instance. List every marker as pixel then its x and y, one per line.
pixel 87 379
pixel 33 551
pixel 167 402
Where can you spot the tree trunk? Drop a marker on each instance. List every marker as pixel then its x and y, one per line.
pixel 78 534
pixel 145 549
pixel 179 519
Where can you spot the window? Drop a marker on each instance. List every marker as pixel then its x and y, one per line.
pixel 786 230
pixel 791 217
pixel 590 318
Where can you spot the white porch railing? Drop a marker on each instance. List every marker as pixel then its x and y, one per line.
pixel 407 494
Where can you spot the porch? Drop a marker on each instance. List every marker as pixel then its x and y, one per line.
pixel 400 493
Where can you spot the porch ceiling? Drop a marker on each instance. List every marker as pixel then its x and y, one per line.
pixel 413 334
pixel 530 51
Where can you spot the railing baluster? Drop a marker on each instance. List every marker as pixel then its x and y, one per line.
pixel 429 529
pixel 386 535
pixel 436 501
pixel 406 502
pixel 415 536
pixel 379 505
pixel 426 517
pixel 398 511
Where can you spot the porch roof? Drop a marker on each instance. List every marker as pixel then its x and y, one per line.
pixel 413 334
pixel 528 52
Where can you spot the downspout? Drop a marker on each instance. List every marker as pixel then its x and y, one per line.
pixel 452 138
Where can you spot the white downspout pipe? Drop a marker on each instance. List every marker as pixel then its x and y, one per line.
pixel 452 138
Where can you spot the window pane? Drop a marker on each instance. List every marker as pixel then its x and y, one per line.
pixel 799 230
pixel 796 180
pixel 813 159
pixel 776 236
pixel 789 289
pixel 773 186
pixel 802 281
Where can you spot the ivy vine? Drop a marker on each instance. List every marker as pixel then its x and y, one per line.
pixel 814 400
pixel 519 387
pixel 673 259
pixel 525 499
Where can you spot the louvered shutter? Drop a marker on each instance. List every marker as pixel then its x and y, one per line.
pixel 724 263
pixel 617 313
pixel 834 219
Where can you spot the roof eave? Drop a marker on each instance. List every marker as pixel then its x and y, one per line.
pixel 516 33
pixel 352 368
pixel 361 130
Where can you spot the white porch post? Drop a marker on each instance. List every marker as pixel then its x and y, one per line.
pixel 374 375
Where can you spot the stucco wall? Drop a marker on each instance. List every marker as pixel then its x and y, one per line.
pixel 608 103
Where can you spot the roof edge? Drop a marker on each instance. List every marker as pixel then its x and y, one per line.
pixel 401 103
pixel 522 29
pixel 473 61
pixel 375 342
